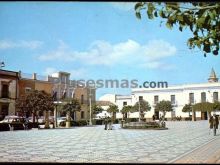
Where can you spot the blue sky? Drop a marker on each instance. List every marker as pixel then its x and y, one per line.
pixel 97 40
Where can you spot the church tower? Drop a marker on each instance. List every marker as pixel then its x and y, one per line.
pixel 212 77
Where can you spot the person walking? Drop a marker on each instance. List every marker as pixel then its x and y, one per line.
pixel 215 123
pixel 211 123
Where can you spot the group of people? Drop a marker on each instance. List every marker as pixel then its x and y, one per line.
pixel 108 123
pixel 213 123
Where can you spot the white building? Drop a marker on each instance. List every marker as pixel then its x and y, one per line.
pixel 179 95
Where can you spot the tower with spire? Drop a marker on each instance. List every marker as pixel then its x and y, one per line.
pixel 212 77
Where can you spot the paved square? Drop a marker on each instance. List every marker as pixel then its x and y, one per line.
pixel 94 144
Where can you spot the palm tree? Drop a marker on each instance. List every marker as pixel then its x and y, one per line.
pixel 71 107
pixel 113 109
pixel 126 109
pixel 96 109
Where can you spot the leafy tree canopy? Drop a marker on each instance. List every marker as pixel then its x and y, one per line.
pixel 126 109
pixel 164 106
pixel 206 106
pixel 144 106
pixel 113 109
pixel 202 18
pixel 35 101
pixel 187 108
pixel 96 109
pixel 72 106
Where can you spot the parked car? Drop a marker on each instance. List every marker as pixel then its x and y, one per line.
pixel 13 119
pixel 62 120
pixel 41 119
pixel 12 123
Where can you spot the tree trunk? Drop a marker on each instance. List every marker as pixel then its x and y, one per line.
pixel 209 114
pixel 68 119
pixel 164 113
pixel 33 116
pixel 47 124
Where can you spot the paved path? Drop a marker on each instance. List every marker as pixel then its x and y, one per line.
pixel 209 153
pixel 94 144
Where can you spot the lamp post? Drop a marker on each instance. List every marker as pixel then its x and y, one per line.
pixel 90 107
pixel 90 104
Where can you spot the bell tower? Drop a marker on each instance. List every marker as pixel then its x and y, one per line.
pixel 212 77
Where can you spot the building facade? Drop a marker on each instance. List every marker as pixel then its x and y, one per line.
pixel 66 89
pixel 8 92
pixel 179 95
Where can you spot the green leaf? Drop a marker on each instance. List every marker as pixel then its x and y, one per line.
pixel 161 13
pixel 138 6
pixel 138 15
pixel 168 25
pixel 180 18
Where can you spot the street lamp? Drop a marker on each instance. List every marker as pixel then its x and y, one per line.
pixel 90 104
pixel 90 107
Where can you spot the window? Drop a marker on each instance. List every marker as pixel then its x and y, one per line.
pixel 156 99
pixel 82 114
pixel 140 98
pixel 5 92
pixel 203 97
pixel 172 99
pixel 191 98
pixel 124 103
pixel 4 111
pixel 27 89
pixel 215 96
pixel 82 99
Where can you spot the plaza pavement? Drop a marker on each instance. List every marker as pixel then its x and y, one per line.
pixel 184 141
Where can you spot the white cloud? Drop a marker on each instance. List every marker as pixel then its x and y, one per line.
pixel 125 6
pixel 7 44
pixel 103 53
pixel 50 71
pixel 78 73
pixel 75 74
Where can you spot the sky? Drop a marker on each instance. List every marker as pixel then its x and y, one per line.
pixel 97 40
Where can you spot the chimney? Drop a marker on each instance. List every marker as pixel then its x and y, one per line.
pixel 34 76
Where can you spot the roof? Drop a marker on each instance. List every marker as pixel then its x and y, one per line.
pixel 104 103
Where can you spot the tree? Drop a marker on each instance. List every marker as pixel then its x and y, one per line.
pixel 216 105
pixel 202 18
pixel 126 109
pixel 96 109
pixel 187 108
pixel 21 106
pixel 205 107
pixel 113 109
pixel 164 106
pixel 69 108
pixel 36 101
pixel 144 107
